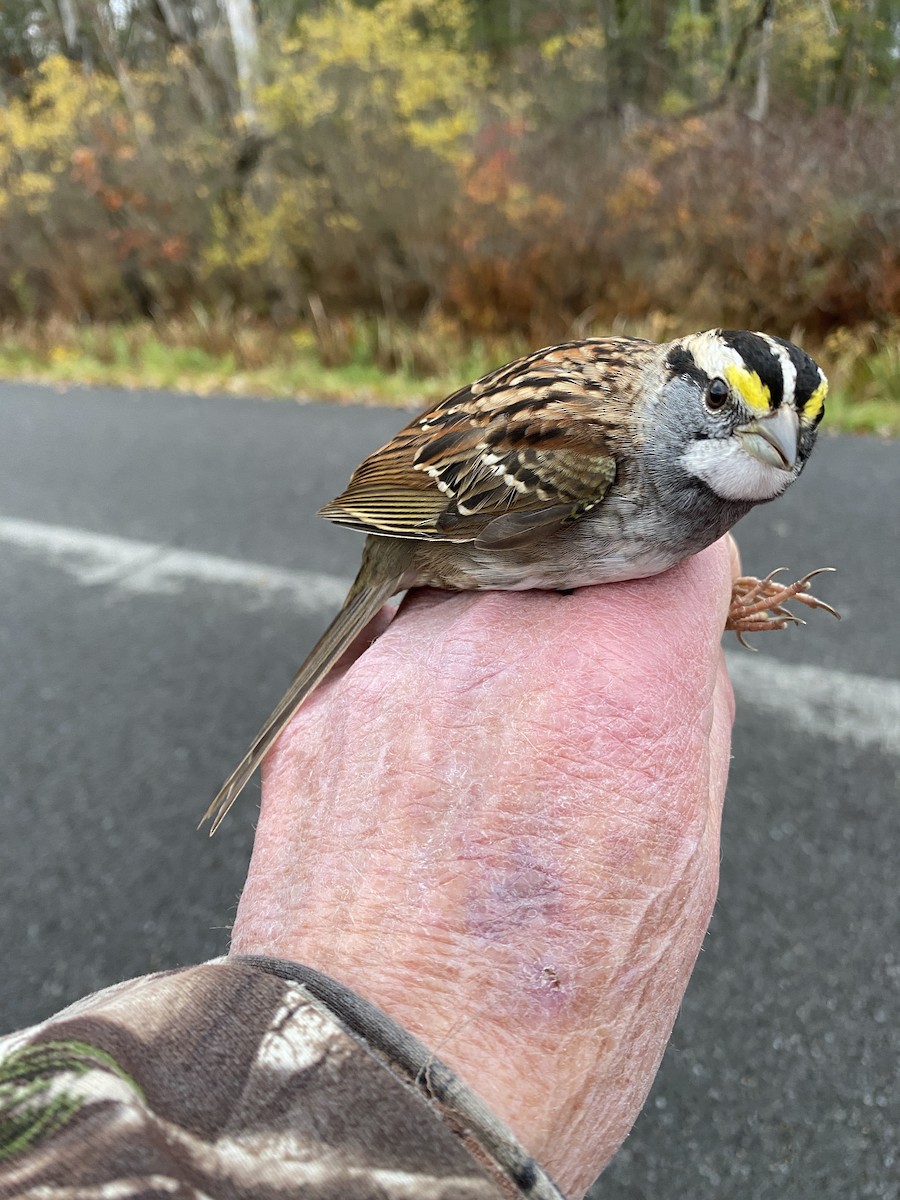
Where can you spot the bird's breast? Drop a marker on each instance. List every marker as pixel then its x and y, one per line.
pixel 609 547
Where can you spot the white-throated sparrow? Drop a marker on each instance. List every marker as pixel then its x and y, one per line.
pixel 589 462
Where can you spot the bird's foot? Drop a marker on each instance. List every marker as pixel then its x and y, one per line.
pixel 758 604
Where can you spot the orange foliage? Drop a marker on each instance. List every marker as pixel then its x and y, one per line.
pixel 532 225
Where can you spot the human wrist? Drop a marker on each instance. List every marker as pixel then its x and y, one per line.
pixel 538 937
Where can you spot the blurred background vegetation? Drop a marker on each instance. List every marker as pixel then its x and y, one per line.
pixel 386 197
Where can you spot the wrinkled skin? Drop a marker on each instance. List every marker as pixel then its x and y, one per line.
pixel 501 824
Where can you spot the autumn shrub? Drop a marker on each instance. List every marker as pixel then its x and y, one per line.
pixel 104 199
pixel 789 223
pixel 390 174
pixel 713 218
pixel 370 116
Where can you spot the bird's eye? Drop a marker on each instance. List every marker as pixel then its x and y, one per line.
pixel 716 394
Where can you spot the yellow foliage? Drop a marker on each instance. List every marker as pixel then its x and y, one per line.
pixel 33 188
pixel 804 44
pixel 259 232
pixel 62 100
pixel 578 52
pixel 373 113
pixel 41 133
pixel 389 171
pixel 38 133
pixel 404 60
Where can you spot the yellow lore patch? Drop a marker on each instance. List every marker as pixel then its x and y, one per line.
pixel 814 405
pixel 749 387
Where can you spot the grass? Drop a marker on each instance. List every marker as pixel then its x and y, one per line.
pixel 363 362
pixel 374 361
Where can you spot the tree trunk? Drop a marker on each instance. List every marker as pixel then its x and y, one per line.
pixel 760 107
pixel 69 20
pixel 242 25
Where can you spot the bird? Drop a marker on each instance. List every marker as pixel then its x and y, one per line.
pixel 589 462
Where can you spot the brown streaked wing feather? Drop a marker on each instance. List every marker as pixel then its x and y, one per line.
pixel 530 446
pixel 386 495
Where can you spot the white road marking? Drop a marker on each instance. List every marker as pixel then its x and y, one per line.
pixel 821 701
pixel 129 565
pixel 838 705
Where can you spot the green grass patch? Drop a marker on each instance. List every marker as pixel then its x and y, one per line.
pixel 371 361
pixel 362 362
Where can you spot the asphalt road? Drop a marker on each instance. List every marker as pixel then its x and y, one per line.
pixel 162 574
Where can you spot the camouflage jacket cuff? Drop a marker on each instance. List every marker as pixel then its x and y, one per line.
pixel 244 1077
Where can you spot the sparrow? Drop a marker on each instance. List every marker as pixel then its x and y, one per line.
pixel 590 462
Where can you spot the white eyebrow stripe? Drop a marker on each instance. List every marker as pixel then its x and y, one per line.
pixel 712 354
pixel 788 370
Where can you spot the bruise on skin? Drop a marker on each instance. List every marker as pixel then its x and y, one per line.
pixel 517 903
pixel 515 890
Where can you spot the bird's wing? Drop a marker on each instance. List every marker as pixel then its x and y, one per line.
pixel 527 448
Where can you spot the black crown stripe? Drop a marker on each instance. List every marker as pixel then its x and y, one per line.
pixel 681 362
pixel 759 357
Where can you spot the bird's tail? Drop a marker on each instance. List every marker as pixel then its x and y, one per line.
pixel 371 588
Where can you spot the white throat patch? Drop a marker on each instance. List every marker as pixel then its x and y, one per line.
pixel 726 467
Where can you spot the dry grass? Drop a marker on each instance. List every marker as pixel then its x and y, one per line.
pixel 381 361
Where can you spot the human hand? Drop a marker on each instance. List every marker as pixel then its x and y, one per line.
pixel 500 824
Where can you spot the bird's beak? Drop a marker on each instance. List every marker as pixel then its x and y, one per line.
pixel 772 439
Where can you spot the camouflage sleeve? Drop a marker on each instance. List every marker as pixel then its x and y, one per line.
pixel 243 1078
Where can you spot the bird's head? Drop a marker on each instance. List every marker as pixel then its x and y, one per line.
pixel 744 411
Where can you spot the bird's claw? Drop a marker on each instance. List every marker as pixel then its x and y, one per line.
pixel 758 605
